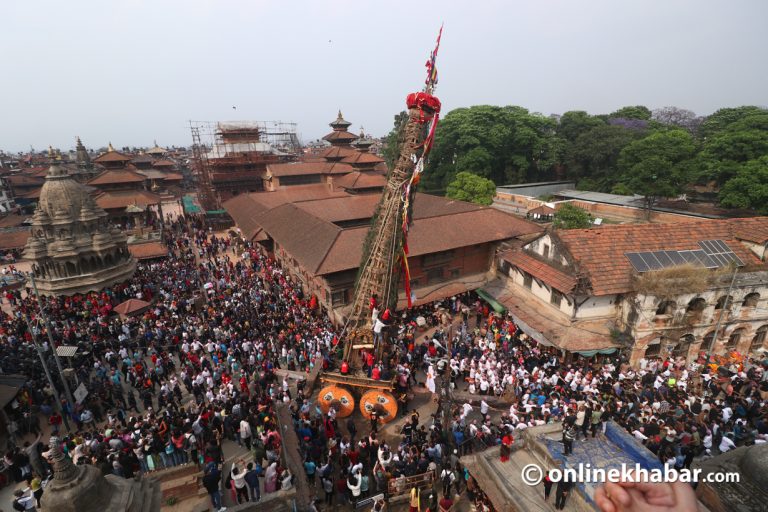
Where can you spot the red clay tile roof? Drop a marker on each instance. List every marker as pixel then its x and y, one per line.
pixel 112 176
pixel 340 136
pixel 125 198
pixel 362 158
pixel 430 234
pixel 542 210
pixel 358 180
pixel 131 306
pixel 344 208
pixel 304 236
pixel 600 252
pixel 148 250
pixel 163 162
pixel 337 152
pixel 540 270
pixel 303 168
pixel 112 156
pixel 14 239
pixel 23 180
pixel 12 221
pixel 752 229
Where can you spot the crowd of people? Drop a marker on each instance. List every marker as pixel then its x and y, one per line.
pixel 170 385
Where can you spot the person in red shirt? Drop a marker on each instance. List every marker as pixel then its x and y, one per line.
pixel 376 373
pixel 55 422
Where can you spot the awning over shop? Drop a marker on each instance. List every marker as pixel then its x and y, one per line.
pixel 549 327
pixel 592 353
pixel 487 297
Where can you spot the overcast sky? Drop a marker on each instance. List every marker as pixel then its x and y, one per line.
pixel 132 71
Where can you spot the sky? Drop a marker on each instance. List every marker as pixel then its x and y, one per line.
pixel 134 71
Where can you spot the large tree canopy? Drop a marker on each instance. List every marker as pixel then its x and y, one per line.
pixel 504 144
pixel 749 187
pixel 631 150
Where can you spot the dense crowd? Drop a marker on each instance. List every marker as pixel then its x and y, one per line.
pixel 169 385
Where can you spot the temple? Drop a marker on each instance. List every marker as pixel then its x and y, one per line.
pixel 72 247
pixel 83 488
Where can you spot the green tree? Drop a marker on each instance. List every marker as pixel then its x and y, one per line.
pixel 467 186
pixel 739 142
pixel 595 153
pixel 725 117
pixel 659 165
pixel 569 216
pixel 749 188
pixel 632 112
pixel 576 122
pixel 504 144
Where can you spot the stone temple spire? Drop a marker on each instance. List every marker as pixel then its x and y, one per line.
pixel 82 157
pixel 63 468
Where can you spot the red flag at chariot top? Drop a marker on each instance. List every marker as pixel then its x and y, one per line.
pixel 432 63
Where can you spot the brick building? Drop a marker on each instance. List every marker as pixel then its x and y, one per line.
pixel 317 233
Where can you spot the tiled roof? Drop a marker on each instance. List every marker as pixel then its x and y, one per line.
pixel 22 180
pixel 752 229
pixel 358 180
pixel 125 198
pixel 342 208
pixel 163 162
pixel 433 234
pixel 600 252
pixel 540 270
pixel 304 236
pixel 362 158
pixel 148 250
pixel 246 208
pixel 14 239
pixel 337 152
pixel 112 156
pixel 12 221
pixel 112 176
pixel 303 168
pixel 340 136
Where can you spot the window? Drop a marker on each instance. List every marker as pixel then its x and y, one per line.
pixel 706 344
pixel 683 346
pixel 556 298
pixel 750 301
pixel 759 340
pixel 546 251
pixel 724 302
pixel 734 340
pixel 338 298
pixel 667 307
pixel 436 258
pixel 696 305
pixel 653 350
pixel 435 275
pixel 455 272
pixel 527 280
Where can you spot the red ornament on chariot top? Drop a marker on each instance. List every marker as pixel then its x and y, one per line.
pixel 427 104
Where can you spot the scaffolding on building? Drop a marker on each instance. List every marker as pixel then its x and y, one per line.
pixel 230 155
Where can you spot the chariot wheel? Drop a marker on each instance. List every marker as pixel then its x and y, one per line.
pixel 338 397
pixel 381 401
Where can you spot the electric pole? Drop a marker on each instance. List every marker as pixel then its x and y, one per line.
pixel 47 372
pixel 49 328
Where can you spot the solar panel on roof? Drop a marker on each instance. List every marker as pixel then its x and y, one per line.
pixel 637 262
pixel 651 261
pixel 705 259
pixel 675 257
pixel 665 260
pixel 719 251
pixel 689 257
